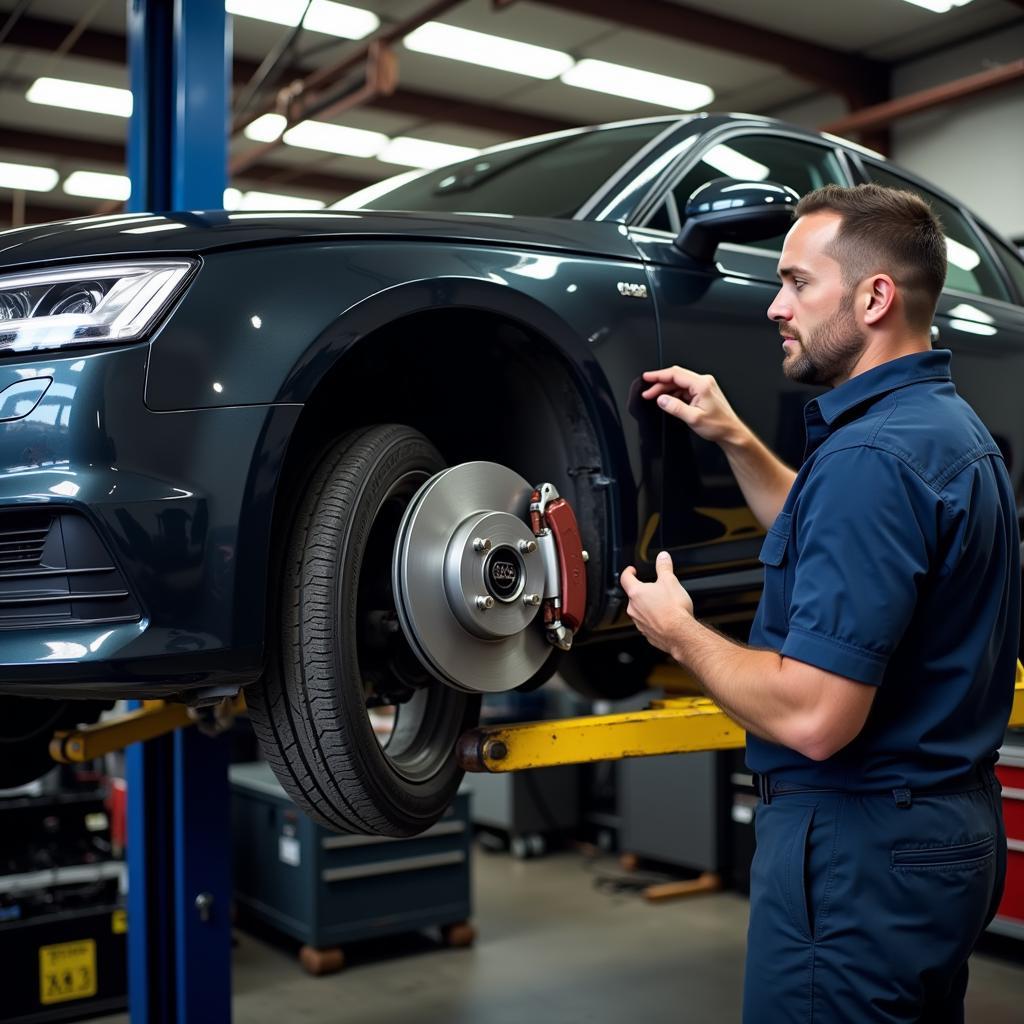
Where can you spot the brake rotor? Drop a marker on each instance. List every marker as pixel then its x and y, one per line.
pixel 468 579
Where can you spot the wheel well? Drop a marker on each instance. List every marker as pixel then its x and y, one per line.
pixel 480 387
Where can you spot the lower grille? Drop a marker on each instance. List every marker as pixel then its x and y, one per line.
pixel 55 570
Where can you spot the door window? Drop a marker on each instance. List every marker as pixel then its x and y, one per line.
pixel 802 166
pixel 970 269
pixel 1013 262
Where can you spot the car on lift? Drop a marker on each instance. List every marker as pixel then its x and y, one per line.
pixel 372 462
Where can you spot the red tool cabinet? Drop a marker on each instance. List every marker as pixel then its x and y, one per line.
pixel 1010 771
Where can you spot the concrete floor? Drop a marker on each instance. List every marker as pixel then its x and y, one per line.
pixel 552 949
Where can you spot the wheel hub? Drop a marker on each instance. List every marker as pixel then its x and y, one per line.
pixel 469 579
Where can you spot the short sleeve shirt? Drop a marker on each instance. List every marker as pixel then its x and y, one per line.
pixel 895 562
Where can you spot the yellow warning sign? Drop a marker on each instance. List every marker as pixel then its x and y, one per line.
pixel 119 922
pixel 67 971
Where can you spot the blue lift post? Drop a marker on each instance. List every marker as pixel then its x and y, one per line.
pixel 179 857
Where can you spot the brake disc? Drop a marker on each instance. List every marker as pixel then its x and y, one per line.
pixel 469 579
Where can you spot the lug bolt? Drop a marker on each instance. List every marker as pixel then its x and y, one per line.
pixel 527 547
pixel 482 544
pixel 586 557
pixel 531 599
pixel 483 603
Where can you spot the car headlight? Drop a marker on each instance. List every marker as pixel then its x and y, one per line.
pixel 104 303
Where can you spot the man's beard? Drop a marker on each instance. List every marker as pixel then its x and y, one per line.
pixel 831 351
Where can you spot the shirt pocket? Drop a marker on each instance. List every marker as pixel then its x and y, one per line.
pixel 776 541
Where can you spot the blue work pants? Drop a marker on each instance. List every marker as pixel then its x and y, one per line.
pixel 865 908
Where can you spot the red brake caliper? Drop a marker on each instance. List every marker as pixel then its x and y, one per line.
pixel 565 574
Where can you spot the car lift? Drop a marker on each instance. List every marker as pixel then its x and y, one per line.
pixel 673 725
pixel 179 851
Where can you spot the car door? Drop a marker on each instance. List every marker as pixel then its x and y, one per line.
pixel 980 318
pixel 713 320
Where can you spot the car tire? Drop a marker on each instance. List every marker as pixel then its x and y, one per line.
pixel 339 649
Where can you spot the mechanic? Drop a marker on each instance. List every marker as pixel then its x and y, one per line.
pixel 879 678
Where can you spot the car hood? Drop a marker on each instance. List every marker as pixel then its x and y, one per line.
pixel 207 231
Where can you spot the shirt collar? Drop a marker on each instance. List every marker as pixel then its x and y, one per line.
pixel 896 373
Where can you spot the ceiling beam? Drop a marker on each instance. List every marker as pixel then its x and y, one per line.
pixel 827 68
pixel 883 114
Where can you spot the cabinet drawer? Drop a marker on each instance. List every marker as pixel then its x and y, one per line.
pixel 1010 769
pixel 1012 904
pixel 1013 813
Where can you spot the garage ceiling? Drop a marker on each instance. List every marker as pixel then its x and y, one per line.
pixel 757 57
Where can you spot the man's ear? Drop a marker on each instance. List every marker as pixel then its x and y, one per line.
pixel 879 298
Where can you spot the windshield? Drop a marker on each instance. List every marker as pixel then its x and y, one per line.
pixel 548 177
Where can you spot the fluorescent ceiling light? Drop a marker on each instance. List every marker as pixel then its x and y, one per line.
pixel 276 201
pixel 357 200
pixel 335 138
pixel 265 128
pixel 487 50
pixel 960 255
pixel 420 153
pixel 324 16
pixel 28 177
pixel 96 99
pixel 232 198
pixel 938 6
pixel 734 164
pixel 340 20
pixel 634 84
pixel 94 185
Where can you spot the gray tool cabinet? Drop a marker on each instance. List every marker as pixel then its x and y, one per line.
pixel 327 890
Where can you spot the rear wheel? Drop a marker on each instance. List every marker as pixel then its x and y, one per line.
pixel 27 725
pixel 359 733
pixel 612 669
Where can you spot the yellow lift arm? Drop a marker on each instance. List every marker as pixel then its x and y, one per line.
pixel 154 718
pixel 673 726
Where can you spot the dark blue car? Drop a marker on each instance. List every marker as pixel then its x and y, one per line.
pixel 370 464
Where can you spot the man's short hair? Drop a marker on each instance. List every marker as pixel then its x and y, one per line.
pixel 889 231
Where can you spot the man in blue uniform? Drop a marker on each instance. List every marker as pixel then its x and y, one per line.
pixel 879 677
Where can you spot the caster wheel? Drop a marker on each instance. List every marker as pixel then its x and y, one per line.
pixel 458 935
pixel 321 961
pixel 519 847
pixel 537 844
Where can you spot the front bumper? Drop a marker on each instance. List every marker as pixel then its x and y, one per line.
pixel 182 503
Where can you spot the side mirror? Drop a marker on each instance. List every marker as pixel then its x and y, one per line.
pixel 727 210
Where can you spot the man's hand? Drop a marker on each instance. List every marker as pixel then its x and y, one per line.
pixel 697 400
pixel 660 609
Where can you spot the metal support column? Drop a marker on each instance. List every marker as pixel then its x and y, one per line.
pixel 179 931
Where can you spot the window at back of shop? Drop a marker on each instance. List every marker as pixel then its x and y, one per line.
pixel 969 267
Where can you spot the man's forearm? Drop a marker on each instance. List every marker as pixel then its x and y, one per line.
pixel 746 683
pixel 764 478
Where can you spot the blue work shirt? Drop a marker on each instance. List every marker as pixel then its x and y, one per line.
pixel 895 562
